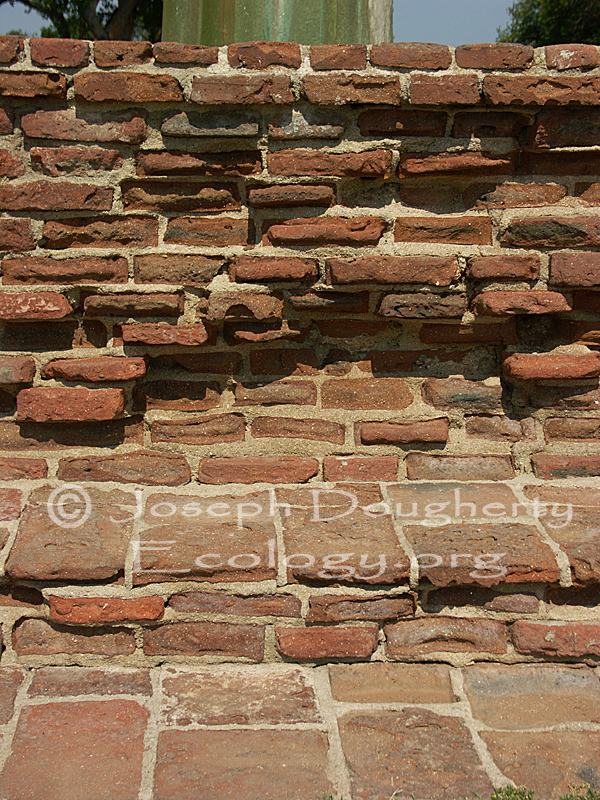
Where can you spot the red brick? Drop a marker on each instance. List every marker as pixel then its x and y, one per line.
pixel 10 681
pixel 494 56
pixel 262 605
pixel 206 232
pixel 417 637
pixel 485 124
pixel 291 196
pixel 11 166
pixel 100 746
pixel 176 53
pixel 126 87
pixel 572 56
pixel 432 270
pixel 504 267
pixel 507 303
pixel 257 469
pixel 164 334
pixel 10 47
pixel 43 196
pixel 367 164
pixel 347 302
pixel 241 90
pixel 57 161
pixel 434 333
pixel 121 54
pixel 286 362
pixel 249 268
pixel 565 396
pixel 463 230
pixel 559 163
pixel 537 90
pixel 298 428
pixel 418 306
pixel 176 395
pixel 219 363
pixel 184 269
pixel 125 128
pixel 201 430
pixel 554 467
pixel 235 305
pixel 134 305
pixel 552 232
pixel 14 469
pixel 50 405
pixel 326 231
pixel 499 429
pixel 16 369
pixel 517 195
pixel 162 196
pixel 326 642
pixel 276 393
pixel 129 231
pixel 70 681
pixel 15 234
pixel 383 468
pixel 338 56
pixel 205 638
pixel 346 608
pixel 421 466
pixel 459 393
pixel 361 393
pixel 59 52
pixel 35 436
pixel 339 89
pixel 10 504
pixel 259 55
pixel 569 640
pixel 38 306
pixel 435 90
pixel 102 368
pixel 564 128
pixel 6 121
pixel 33 85
pixel 411 55
pixel 38 637
pixel 147 467
pixel 400 433
pixel 35 270
pixel 587 301
pixel 572 429
pixel 234 164
pixel 466 163
pixel 575 269
pixel 99 610
pixel 548 366
pixel 349 328
pixel 397 122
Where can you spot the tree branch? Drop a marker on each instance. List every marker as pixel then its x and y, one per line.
pixel 92 19
pixel 121 25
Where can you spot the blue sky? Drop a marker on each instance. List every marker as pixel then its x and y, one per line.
pixel 444 21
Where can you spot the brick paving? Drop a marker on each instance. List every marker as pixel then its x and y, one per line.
pixel 357 731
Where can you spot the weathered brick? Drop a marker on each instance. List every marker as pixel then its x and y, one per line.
pixel 242 90
pixel 207 232
pixel 262 605
pixel 176 395
pixel 567 231
pixel 37 637
pixel 35 270
pixel 467 163
pixel 33 85
pixel 126 87
pixel 499 429
pixel 43 196
pixel 276 393
pixel 313 231
pixel 201 430
pixel 177 53
pixel 14 469
pixel 539 90
pixel 129 231
pixel 505 267
pixel 340 88
pixel 338 56
pixel 17 369
pixel 553 467
pixel 134 305
pixel 397 122
pixel 507 303
pixel 260 55
pixel 572 429
pixel 411 55
pixel 587 301
pixel 572 56
pixel 218 363
pixel 391 683
pixel 164 334
pixel 349 328
pixel 11 166
pixel 326 642
pixel 291 196
pixel 413 638
pixel 485 124
pixel 178 268
pixel 298 428
pixel 163 196
pixel 15 234
pixel 174 162
pixel 464 230
pixel 367 164
pixel 6 121
pixel 99 610
pixel 348 302
pixel 72 125
pixel 346 608
pixel 10 47
pixel 400 433
pixel 518 195
pixel 102 368
pixel 575 269
pixel 436 90
pixel 419 306
pixel 421 466
pixel 71 405
pixel 257 469
pixel 362 393
pixel 459 393
pixel 59 52
pixel 38 306
pixel 147 467
pixel 40 436
pixel 382 468
pixel 120 54
pixel 10 504
pixel 565 396
pixel 205 638
pixel 470 333
pixel 235 305
pixel 58 161
pixel 502 55
pixel 571 640
pixel 100 746
pixel 249 268
pixel 70 681
pixel 549 366
pixel 432 270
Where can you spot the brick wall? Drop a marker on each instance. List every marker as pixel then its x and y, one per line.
pixel 273 265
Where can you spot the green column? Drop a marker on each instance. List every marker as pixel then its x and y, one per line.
pixel 217 22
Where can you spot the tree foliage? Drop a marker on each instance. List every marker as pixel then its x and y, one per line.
pixel 542 22
pixel 99 19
